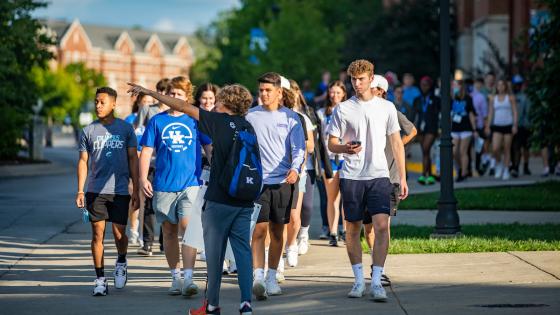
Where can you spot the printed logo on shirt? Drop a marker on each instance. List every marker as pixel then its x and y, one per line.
pixel 177 137
pixel 459 107
pixel 282 126
pixel 232 124
pixel 108 141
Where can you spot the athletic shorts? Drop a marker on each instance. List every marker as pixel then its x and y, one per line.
pixel 172 206
pixel 522 137
pixel 506 130
pixel 461 134
pixel 108 207
pixel 276 203
pixel 363 198
pixel 394 203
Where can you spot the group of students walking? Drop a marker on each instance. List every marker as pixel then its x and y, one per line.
pixel 353 147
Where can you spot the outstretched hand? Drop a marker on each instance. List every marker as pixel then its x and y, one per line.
pixel 136 89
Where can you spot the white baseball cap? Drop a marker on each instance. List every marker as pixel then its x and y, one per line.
pixel 284 83
pixel 380 82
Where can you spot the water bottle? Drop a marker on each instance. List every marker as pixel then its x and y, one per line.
pixel 85 215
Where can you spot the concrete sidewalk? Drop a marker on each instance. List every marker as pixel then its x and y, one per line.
pixel 56 278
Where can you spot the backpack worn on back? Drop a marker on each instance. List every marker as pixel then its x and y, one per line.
pixel 242 176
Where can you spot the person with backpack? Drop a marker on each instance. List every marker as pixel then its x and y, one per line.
pixel 227 210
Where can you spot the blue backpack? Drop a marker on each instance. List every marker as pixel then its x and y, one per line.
pixel 242 175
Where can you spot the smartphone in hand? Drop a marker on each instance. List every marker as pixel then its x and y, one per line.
pixel 356 142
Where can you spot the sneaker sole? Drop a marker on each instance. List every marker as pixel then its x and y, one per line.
pixel 260 292
pixel 355 296
pixel 178 292
pixel 379 299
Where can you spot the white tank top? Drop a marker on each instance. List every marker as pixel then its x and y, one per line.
pixel 503 114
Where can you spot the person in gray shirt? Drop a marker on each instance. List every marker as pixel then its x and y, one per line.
pixel 109 145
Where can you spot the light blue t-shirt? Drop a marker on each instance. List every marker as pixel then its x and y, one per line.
pixel 410 94
pixel 176 141
pixel 281 142
pixel 107 146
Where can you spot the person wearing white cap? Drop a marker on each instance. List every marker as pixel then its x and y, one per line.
pixel 379 88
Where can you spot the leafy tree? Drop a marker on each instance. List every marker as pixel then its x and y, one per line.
pixel 24 46
pixel 543 80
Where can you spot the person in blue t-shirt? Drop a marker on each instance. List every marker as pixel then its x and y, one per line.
pixel 175 138
pixel 410 91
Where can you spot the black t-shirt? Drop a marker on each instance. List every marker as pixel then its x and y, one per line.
pixel 221 128
pixel 460 110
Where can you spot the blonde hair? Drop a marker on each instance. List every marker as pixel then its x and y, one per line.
pixel 360 66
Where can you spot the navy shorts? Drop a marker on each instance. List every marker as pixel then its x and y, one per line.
pixel 362 197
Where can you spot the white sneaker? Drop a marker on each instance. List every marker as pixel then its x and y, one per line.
pixel 176 286
pixel 202 256
pixel 134 238
pixel 100 287
pixel 280 277
pixel 499 171
pixel 292 255
pixel 303 245
pixel 189 288
pixel 272 287
pixel 358 290
pixel 378 293
pixel 505 175
pixel 121 275
pixel 225 268
pixel 232 267
pixel 259 289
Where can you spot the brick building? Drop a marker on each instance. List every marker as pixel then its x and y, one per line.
pixel 122 55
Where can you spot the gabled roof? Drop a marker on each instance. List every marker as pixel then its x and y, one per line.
pixel 105 37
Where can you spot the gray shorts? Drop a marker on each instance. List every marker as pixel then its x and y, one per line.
pixel 172 206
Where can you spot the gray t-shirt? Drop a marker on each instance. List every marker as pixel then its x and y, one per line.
pixel 145 114
pixel 406 128
pixel 107 146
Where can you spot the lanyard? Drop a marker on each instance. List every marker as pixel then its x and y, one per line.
pixel 425 103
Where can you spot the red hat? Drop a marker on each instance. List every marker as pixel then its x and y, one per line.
pixel 427 78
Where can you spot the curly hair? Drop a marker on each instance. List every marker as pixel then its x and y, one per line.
pixel 236 98
pixel 182 83
pixel 360 66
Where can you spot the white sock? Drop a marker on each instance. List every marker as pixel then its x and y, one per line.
pixel 175 273
pixel 271 274
pixel 243 304
pixel 187 273
pixel 304 232
pixel 211 307
pixel 358 273
pixel 258 274
pixel 377 272
pixel 492 163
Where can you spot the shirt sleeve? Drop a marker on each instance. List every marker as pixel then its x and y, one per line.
pixel 149 137
pixel 335 128
pixel 203 138
pixel 206 123
pixel 404 123
pixel 297 144
pixel 393 121
pixel 83 141
pixel 131 142
pixel 141 117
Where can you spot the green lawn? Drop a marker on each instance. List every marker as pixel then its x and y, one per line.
pixel 542 196
pixel 406 239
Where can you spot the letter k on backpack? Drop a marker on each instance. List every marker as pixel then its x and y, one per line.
pixel 242 176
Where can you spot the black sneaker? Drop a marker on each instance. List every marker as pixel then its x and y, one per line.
pixel 145 250
pixel 342 236
pixel 526 170
pixel 203 310
pixel 246 309
pixel 333 240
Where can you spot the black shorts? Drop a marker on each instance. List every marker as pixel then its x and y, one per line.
pixel 481 134
pixel 112 208
pixel 276 202
pixel 394 203
pixel 363 198
pixel 506 130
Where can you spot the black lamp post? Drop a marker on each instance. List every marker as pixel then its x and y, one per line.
pixel 447 219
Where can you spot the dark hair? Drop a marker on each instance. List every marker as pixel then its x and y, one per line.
pixel 236 98
pixel 270 77
pixel 479 80
pixel 137 101
pixel 162 84
pixel 203 88
pixel 107 90
pixel 329 106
